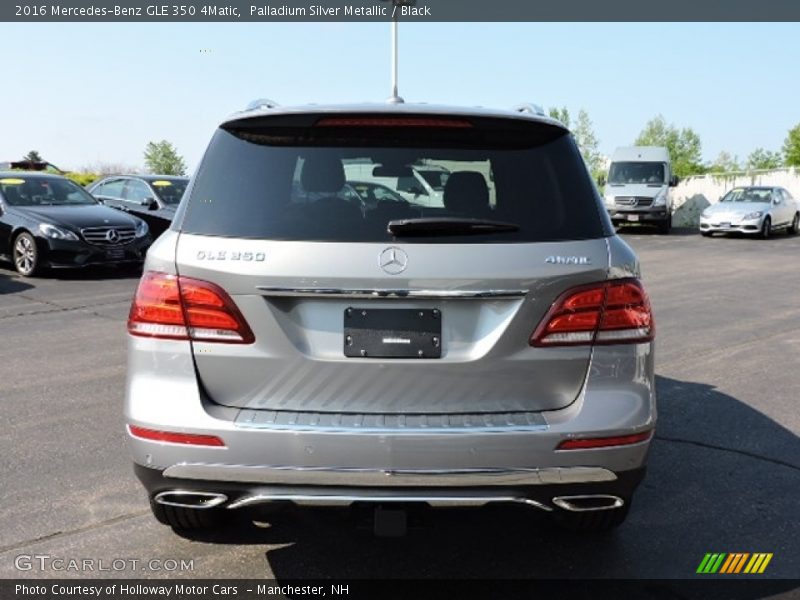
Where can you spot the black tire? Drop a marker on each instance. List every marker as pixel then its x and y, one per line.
pixel 25 255
pixel 179 517
pixel 766 229
pixel 666 226
pixel 795 225
pixel 705 233
pixel 593 521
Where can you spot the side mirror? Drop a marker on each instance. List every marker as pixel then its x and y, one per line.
pixel 150 203
pixel 673 181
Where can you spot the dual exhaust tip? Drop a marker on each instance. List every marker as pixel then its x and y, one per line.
pixel 204 500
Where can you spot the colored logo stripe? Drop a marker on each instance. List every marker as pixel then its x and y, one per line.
pixel 734 563
pixel 724 563
pixel 758 563
pixel 711 563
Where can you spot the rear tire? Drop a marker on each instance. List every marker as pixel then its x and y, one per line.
pixel 593 521
pixel 795 225
pixel 179 517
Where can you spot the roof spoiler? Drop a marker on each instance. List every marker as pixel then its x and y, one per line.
pixel 529 108
pixel 261 103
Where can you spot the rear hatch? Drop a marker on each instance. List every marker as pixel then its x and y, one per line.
pixel 394 307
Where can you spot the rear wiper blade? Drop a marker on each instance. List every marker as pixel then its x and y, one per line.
pixel 447 226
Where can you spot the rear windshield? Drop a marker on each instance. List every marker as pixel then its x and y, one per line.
pixel 346 186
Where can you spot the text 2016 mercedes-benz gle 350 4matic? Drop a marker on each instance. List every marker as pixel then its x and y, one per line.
pixel 289 343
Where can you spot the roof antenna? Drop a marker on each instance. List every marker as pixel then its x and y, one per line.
pixel 395 97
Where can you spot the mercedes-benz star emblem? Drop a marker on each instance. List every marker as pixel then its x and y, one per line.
pixel 112 236
pixel 393 260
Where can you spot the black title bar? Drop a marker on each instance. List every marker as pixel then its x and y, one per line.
pixel 420 11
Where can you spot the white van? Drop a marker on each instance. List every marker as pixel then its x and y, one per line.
pixel 637 189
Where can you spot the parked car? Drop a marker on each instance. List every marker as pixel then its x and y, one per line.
pixel 421 184
pixel 372 194
pixel 492 348
pixel 152 198
pixel 753 210
pixel 49 221
pixel 638 187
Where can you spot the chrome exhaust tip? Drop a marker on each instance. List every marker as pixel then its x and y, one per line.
pixel 589 502
pixel 190 499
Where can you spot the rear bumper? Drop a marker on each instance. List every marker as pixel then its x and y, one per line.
pixel 617 398
pixel 245 494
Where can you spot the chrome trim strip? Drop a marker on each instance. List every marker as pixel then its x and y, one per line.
pixel 323 499
pixel 253 419
pixel 213 499
pixel 346 476
pixel 566 502
pixel 292 292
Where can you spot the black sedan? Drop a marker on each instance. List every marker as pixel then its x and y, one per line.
pixel 49 221
pixel 153 198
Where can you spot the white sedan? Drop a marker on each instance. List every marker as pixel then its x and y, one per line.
pixel 752 210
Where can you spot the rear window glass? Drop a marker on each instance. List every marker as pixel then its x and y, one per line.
pixel 344 187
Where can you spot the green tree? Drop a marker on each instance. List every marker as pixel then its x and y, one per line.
pixel 685 148
pixel 764 159
pixel 791 147
pixel 559 114
pixel 585 137
pixel 724 163
pixel 587 142
pixel 33 156
pixel 163 158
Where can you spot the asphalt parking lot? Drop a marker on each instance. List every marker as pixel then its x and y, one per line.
pixel 724 470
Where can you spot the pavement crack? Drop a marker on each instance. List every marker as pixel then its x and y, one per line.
pixel 59 534
pixel 774 461
pixel 58 308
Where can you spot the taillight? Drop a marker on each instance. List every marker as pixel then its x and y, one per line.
pixel 392 122
pixel 175 437
pixel 182 308
pixel 605 442
pixel 612 312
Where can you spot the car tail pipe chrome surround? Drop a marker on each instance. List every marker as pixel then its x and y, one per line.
pixel 588 502
pixel 346 499
pixel 190 499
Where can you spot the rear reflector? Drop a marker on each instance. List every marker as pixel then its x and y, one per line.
pixel 392 122
pixel 173 437
pixel 605 442
pixel 611 312
pixel 182 308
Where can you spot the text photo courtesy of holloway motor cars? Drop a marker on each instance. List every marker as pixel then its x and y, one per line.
pixel 443 304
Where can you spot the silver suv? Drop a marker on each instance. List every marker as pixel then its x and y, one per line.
pixel 291 345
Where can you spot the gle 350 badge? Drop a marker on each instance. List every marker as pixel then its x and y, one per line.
pixel 225 255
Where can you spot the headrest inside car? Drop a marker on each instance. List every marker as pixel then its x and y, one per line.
pixel 322 174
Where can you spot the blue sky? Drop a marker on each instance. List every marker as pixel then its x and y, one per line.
pixel 83 93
